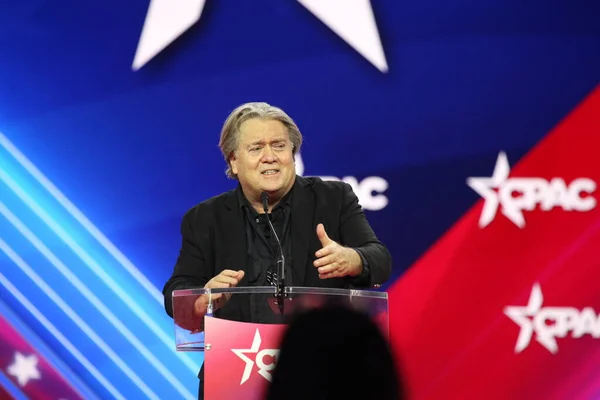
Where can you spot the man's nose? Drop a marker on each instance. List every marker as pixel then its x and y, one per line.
pixel 268 154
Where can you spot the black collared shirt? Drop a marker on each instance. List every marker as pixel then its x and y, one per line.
pixel 262 250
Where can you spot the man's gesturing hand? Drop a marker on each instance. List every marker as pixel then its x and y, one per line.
pixel 335 260
pixel 227 278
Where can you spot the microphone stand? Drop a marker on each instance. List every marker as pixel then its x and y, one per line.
pixel 280 295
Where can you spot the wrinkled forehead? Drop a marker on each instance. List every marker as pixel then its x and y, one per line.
pixel 262 131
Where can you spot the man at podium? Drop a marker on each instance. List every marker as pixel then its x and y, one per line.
pixel 320 226
pixel 274 224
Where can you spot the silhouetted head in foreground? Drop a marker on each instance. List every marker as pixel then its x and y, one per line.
pixel 334 353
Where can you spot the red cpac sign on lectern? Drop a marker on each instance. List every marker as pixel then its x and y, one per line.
pixel 239 358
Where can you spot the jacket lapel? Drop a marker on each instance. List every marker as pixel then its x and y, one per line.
pixel 235 246
pixel 302 227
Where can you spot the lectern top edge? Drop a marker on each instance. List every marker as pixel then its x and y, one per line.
pixel 288 290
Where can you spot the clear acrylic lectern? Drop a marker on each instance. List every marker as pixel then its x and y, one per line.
pixel 239 329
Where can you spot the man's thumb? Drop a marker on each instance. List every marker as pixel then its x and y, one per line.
pixel 323 235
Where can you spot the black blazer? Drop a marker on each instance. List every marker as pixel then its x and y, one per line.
pixel 213 239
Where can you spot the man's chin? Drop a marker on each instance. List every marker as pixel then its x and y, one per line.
pixel 271 189
pixel 275 187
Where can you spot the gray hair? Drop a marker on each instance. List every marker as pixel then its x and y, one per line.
pixel 230 134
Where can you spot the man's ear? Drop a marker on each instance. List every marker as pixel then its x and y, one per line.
pixel 233 163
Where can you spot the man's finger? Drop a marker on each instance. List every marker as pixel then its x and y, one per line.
pixel 324 261
pixel 232 273
pixel 327 269
pixel 328 275
pixel 215 283
pixel 227 280
pixel 325 251
pixel 218 285
pixel 323 238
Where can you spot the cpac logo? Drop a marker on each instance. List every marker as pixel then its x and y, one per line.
pixel 369 191
pixel 533 191
pixel 550 323
pixel 352 20
pixel 265 359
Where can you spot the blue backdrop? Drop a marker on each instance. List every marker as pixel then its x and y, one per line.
pixel 99 162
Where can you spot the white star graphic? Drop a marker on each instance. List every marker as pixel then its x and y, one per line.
pixel 523 316
pixel 24 368
pixel 249 363
pixel 485 188
pixel 352 20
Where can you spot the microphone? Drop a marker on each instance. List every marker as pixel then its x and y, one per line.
pixel 264 196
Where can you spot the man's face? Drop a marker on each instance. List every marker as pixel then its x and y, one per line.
pixel 264 159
